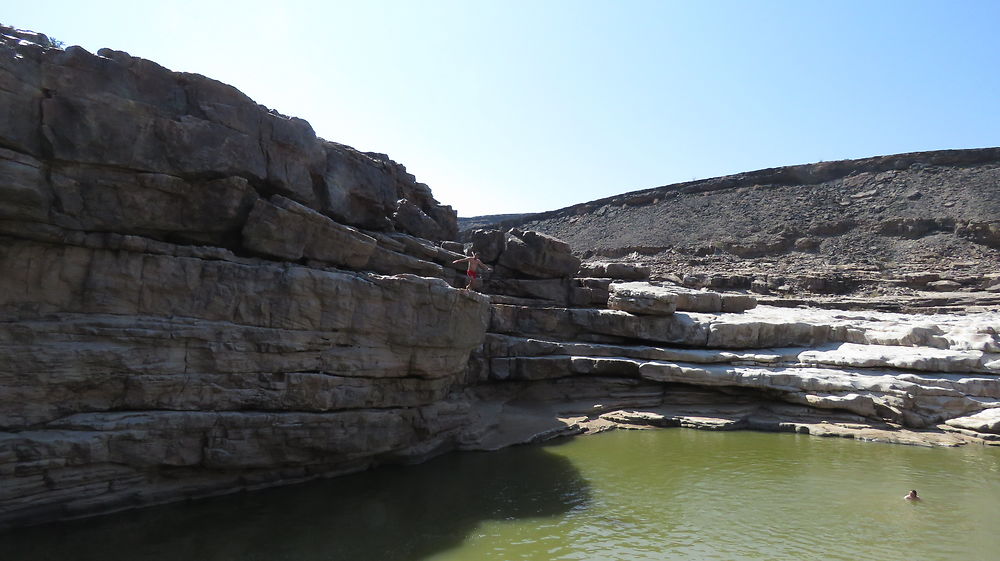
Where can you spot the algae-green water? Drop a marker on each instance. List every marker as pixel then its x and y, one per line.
pixel 627 495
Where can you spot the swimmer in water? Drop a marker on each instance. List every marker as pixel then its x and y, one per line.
pixel 912 495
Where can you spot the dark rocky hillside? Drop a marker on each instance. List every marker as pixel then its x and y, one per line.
pixel 890 224
pixel 485 221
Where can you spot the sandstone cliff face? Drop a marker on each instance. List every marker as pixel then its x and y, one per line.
pixel 110 142
pixel 190 300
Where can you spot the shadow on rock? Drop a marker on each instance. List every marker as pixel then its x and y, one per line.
pixel 391 513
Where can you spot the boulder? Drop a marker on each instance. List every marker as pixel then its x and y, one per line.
pixel 618 271
pixel 697 300
pixel 985 233
pixel 488 244
pixel 736 303
pixel 913 228
pixel 356 190
pixel 944 285
pixel 986 421
pixel 760 286
pixel 444 215
pixel 642 298
pixel 590 293
pixel 371 191
pixel 409 218
pixel 724 281
pixel 454 247
pixel 646 298
pixel 538 255
pixel 294 156
pixel 691 280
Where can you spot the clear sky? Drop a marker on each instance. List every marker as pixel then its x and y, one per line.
pixel 506 106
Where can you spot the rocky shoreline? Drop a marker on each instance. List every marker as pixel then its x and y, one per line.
pixel 879 377
pixel 201 297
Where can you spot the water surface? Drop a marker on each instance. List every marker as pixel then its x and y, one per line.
pixel 629 495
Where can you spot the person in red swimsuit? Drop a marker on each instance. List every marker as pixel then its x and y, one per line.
pixel 472 270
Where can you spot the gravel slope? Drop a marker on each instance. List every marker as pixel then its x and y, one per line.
pixel 853 223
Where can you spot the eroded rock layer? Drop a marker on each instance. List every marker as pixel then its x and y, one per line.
pixel 199 296
pixel 191 299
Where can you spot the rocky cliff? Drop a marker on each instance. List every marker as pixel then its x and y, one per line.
pixel 191 300
pixel 608 349
pixel 199 296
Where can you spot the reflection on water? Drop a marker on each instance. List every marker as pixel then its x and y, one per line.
pixel 668 494
pixel 393 513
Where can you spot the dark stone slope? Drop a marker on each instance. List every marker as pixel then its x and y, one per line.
pixel 897 220
pixel 487 220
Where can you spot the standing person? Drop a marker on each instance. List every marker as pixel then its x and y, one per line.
pixel 472 270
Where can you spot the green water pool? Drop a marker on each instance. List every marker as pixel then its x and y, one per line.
pixel 626 495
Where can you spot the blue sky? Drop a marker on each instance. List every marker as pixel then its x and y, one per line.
pixel 522 106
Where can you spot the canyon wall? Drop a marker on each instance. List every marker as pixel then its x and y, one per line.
pixel 191 299
pixel 198 296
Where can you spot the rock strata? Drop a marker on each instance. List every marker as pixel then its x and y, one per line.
pixel 537 255
pixel 872 375
pixel 199 296
pixel 614 270
pixel 93 137
pixel 642 299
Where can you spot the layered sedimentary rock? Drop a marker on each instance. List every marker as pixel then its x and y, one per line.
pixel 655 353
pixel 115 143
pixel 199 296
pixel 534 266
pixel 918 379
pixel 194 299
